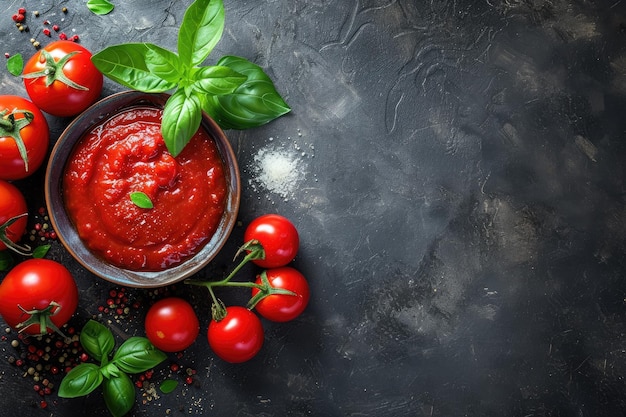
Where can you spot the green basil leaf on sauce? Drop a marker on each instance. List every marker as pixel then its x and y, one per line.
pixel 181 119
pixel 81 380
pixel 168 386
pixel 126 65
pixel 100 7
pixel 217 80
pixel 200 30
pixel 119 394
pixel 15 64
pixel 97 340
pixel 137 355
pixel 141 200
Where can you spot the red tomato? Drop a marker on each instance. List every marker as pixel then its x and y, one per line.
pixel 283 307
pixel 24 138
pixel 238 337
pixel 61 79
pixel 38 287
pixel 279 239
pixel 171 324
pixel 12 204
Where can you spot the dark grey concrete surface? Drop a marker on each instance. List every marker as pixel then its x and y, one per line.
pixel 459 190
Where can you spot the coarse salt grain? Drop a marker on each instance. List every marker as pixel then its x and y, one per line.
pixel 278 171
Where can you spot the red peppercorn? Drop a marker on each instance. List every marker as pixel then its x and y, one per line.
pixel 138 384
pixel 6 55
pixel 189 380
pixel 14 17
pixel 43 404
pixel 56 28
pixel 63 36
pixel 174 367
pixel 46 31
pixel 21 10
pixel 19 17
pixel 75 38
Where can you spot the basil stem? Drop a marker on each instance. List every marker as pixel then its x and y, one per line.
pixel 119 394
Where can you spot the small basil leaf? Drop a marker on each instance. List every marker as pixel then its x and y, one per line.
pixel 6 261
pixel 15 64
pixel 97 340
pixel 137 355
pixel 81 380
pixel 110 370
pixel 141 200
pixel 119 394
pixel 163 63
pixel 200 30
pixel 41 251
pixel 100 7
pixel 168 386
pixel 181 119
pixel 126 65
pixel 217 80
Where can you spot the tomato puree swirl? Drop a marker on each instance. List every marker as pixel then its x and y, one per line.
pixel 127 154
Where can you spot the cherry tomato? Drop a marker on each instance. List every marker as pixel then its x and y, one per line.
pixel 61 79
pixel 171 324
pixel 283 307
pixel 24 138
pixel 279 239
pixel 38 287
pixel 12 205
pixel 238 337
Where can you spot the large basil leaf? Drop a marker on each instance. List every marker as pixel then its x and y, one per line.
pixel 137 355
pixel 164 64
pixel 217 80
pixel 119 394
pixel 97 340
pixel 254 103
pixel 81 380
pixel 126 65
pixel 201 29
pixel 181 119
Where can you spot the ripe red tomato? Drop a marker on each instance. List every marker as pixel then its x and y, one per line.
pixel 38 287
pixel 279 239
pixel 283 307
pixel 24 138
pixel 12 204
pixel 61 79
pixel 238 337
pixel 171 324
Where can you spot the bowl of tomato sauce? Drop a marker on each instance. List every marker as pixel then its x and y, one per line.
pixel 129 211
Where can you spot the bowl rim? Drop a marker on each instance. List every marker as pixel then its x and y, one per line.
pixel 97 113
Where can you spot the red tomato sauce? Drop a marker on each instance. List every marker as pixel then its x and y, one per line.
pixel 126 154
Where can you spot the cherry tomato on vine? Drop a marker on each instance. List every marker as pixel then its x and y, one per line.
pixel 171 324
pixel 278 237
pixel 282 307
pixel 237 337
pixel 13 216
pixel 61 79
pixel 38 289
pixel 24 137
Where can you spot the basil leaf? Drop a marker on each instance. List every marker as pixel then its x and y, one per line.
pixel 141 200
pixel 15 64
pixel 81 380
pixel 168 386
pixel 181 119
pixel 97 340
pixel 163 63
pixel 254 103
pixel 201 29
pixel 6 261
pixel 137 355
pixel 126 65
pixel 119 394
pixel 100 7
pixel 41 251
pixel 217 80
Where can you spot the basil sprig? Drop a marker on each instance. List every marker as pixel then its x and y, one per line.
pixel 135 355
pixel 236 93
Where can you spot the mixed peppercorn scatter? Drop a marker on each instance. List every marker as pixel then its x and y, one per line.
pixel 20 20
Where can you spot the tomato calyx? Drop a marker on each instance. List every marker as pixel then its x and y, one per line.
pixel 10 126
pixel 53 71
pixel 24 250
pixel 266 289
pixel 42 318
